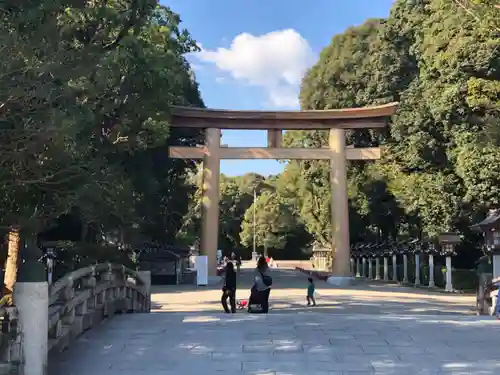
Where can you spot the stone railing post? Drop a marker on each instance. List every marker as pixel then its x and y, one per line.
pixel 405 268
pixel 417 269
pixel 370 267
pixel 496 263
pixel 31 297
pixel 430 249
pixel 377 267
pixel 448 241
pixel 386 268
pixel 449 282
pixel 394 267
pixel 358 265
pixel 432 284
pixel 364 267
pixel 146 277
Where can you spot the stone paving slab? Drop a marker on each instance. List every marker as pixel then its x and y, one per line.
pixel 282 344
pixel 364 330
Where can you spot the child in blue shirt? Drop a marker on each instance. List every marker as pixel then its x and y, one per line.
pixel 310 292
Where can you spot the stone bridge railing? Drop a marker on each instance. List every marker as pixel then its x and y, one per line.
pixel 11 349
pixel 47 319
pixel 85 297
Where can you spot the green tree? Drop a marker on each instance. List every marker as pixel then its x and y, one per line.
pixel 442 65
pixel 273 222
pixel 84 114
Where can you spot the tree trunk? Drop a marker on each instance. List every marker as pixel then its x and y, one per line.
pixel 12 261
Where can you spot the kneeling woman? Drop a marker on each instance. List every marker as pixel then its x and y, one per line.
pixel 262 283
pixel 229 289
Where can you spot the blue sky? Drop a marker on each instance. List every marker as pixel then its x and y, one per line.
pixel 254 54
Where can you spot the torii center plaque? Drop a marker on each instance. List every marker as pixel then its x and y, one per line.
pixel 337 121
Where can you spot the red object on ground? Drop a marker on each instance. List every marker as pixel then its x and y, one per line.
pixel 242 303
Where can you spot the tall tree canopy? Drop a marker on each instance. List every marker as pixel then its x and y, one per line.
pixel 438 171
pixel 443 67
pixel 84 114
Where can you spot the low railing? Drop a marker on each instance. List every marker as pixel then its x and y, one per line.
pixel 487 293
pixel 85 297
pixel 11 345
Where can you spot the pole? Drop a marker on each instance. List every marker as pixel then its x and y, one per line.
pixel 254 221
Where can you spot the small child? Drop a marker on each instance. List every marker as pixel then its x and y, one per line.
pixel 310 292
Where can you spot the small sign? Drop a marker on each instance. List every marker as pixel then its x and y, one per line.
pixel 452 238
pixel 201 266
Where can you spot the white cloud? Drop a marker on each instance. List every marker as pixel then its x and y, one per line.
pixel 275 61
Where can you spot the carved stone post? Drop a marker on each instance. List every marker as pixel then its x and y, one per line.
pixel 370 267
pixel 405 268
pixel 31 296
pixel 386 268
pixel 210 200
pixel 417 249
pixel 394 267
pixel 364 267
pixel 146 278
pixel 417 269
pixel 449 281
pixel 377 267
pixel 496 263
pixel 358 265
pixel 448 242
pixel 432 284
pixel 431 250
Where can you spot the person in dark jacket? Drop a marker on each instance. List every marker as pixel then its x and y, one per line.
pixel 263 282
pixel 229 289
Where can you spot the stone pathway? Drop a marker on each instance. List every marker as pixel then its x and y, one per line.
pixel 382 334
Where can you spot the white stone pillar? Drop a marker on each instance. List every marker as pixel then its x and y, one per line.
pixel 358 265
pixel 353 272
pixel 32 302
pixel 405 268
pixel 370 268
pixel 364 267
pixel 449 283
pixel 394 267
pixel 431 271
pixel 496 265
pixel 146 279
pixel 417 269
pixel 377 268
pixel 386 269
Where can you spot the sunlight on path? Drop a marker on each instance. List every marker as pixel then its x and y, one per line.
pixel 366 329
pixel 288 295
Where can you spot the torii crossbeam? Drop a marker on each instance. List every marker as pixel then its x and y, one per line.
pixel 337 121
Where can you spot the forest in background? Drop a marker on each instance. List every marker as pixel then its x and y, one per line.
pixel 440 167
pixel 85 92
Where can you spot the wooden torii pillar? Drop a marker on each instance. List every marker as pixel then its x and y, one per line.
pixel 336 121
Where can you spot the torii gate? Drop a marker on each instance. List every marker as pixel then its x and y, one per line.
pixel 337 121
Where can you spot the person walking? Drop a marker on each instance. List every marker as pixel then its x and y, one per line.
pixel 238 263
pixel 229 289
pixel 310 292
pixel 263 282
